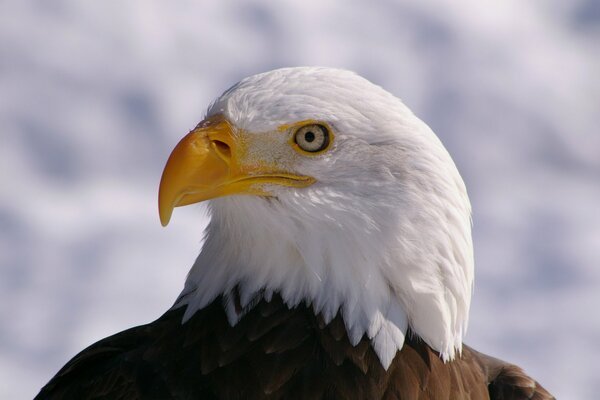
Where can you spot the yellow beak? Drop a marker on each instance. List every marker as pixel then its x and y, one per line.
pixel 207 163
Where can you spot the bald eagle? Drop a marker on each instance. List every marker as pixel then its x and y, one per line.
pixel 337 264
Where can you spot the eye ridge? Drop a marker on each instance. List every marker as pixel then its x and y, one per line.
pixel 312 138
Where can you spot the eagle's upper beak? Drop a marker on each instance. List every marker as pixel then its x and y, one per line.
pixel 211 162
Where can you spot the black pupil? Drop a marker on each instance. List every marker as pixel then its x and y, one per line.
pixel 309 136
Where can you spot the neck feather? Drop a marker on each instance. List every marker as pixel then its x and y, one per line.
pixel 258 247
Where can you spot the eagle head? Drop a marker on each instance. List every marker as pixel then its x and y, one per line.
pixel 326 189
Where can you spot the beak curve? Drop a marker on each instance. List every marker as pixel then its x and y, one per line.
pixel 206 164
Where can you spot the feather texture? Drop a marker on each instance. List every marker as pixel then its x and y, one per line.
pixel 274 352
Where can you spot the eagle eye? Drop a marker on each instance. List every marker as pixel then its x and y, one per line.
pixel 312 138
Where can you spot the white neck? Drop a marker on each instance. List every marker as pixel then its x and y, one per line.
pixel 329 262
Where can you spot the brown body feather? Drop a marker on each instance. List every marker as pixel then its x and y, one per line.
pixel 274 353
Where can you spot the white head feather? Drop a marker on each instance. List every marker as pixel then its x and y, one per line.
pixel 383 236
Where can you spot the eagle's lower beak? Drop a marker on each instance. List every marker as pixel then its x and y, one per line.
pixel 207 163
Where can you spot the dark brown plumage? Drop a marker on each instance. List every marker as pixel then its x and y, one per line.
pixel 274 353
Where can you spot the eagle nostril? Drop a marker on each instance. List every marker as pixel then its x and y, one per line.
pixel 222 149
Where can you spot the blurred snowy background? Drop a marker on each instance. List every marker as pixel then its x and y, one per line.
pixel 94 95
